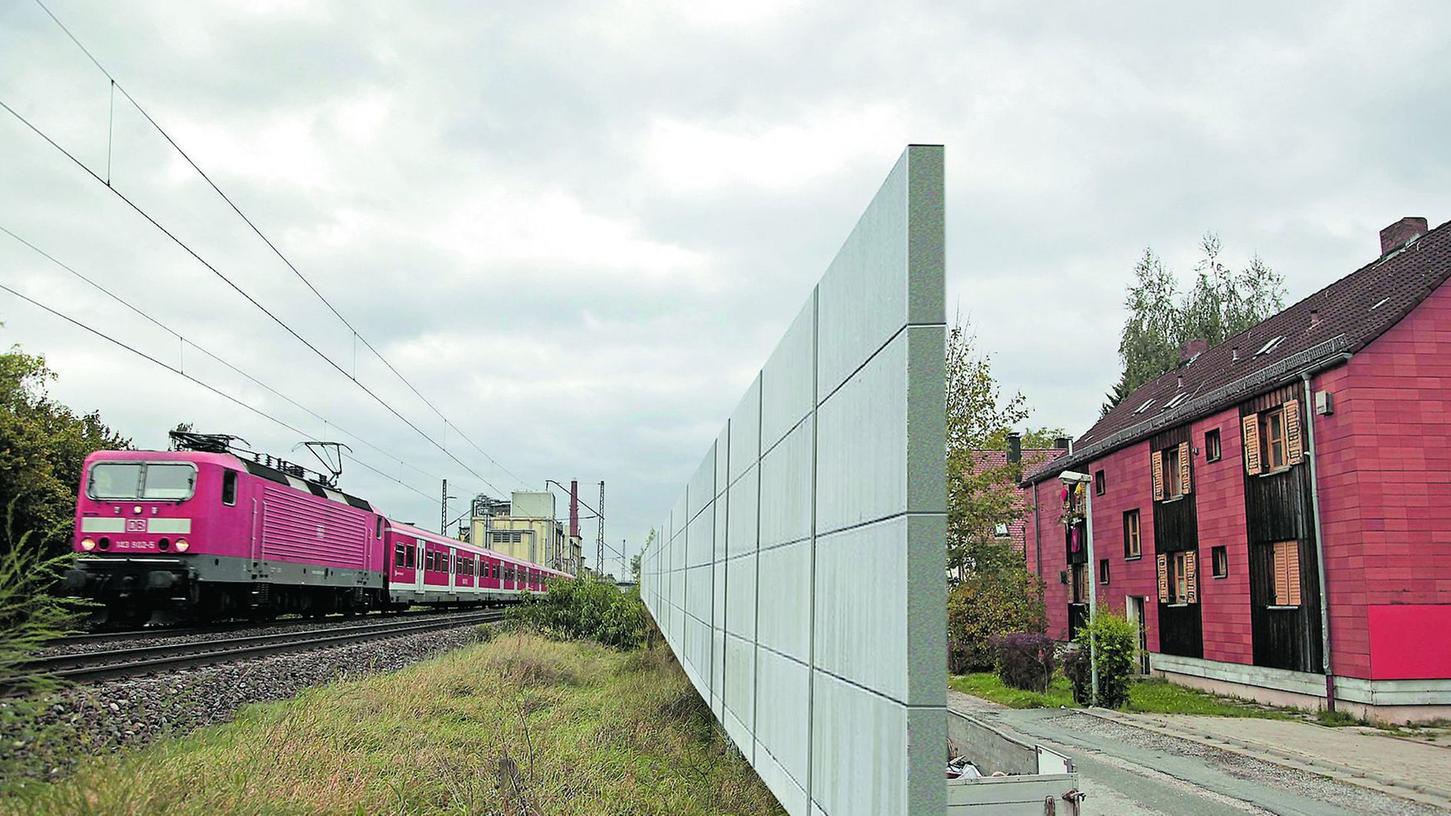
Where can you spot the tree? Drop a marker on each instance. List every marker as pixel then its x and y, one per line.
pixel 42 447
pixel 1222 303
pixel 980 417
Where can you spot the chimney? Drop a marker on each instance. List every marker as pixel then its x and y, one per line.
pixel 1234 354
pixel 1400 233
pixel 1314 318
pixel 573 508
pixel 1015 448
pixel 1192 349
pixel 1062 443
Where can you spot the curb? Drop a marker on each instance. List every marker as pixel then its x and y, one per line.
pixel 1292 760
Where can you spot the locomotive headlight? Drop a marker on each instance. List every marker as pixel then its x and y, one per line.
pixel 88 544
pixel 181 545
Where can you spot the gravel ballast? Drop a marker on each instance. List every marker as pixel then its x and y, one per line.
pixel 127 713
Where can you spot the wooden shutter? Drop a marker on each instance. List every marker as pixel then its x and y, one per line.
pixel 1163 578
pixel 1191 577
pixel 1294 446
pixel 1183 474
pixel 1282 574
pixel 1292 573
pixel 1157 466
pixel 1252 464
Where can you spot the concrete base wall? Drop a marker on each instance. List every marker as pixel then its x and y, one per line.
pixel 1382 701
pixel 799 577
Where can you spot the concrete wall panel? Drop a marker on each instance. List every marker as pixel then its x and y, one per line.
pixel 785 503
pixel 745 426
pixel 783 620
pixel 787 381
pixel 811 617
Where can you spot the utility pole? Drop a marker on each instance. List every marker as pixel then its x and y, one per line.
pixel 600 541
pixel 443 511
pixel 624 575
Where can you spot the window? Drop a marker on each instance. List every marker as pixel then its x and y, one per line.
pixel 168 482
pixel 135 480
pixel 1103 570
pixel 1211 445
pixel 399 557
pixel 1099 483
pixel 1285 562
pixel 1273 434
pixel 229 487
pixel 1173 488
pixel 114 480
pixel 380 527
pixel 1133 536
pixel 412 564
pixel 1220 555
pixel 1000 530
pixel 1179 578
pixel 1080 583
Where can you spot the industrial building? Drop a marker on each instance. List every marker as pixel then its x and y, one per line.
pixel 527 528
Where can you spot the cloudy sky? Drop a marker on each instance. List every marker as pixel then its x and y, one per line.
pixel 579 228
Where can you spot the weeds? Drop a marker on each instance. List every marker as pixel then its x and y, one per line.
pixel 518 726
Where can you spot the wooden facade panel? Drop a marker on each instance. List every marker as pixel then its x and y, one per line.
pixel 1181 629
pixel 1278 508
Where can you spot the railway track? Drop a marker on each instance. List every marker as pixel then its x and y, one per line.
pixel 90 667
pixel 163 631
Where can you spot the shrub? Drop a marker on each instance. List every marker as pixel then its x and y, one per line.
pixel 1025 660
pixel 585 609
pixel 1115 640
pixel 31 611
pixel 989 603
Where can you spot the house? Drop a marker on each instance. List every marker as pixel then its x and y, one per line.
pixel 1022 460
pixel 1275 513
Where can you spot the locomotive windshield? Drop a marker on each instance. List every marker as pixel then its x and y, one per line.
pixel 157 481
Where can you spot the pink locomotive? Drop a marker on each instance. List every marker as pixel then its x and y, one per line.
pixel 213 533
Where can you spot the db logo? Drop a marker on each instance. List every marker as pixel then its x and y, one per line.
pixel 135 525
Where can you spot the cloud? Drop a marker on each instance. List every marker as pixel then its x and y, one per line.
pixel 579 228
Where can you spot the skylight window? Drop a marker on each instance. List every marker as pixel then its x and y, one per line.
pixel 1178 398
pixel 1145 406
pixel 1270 346
pixel 1380 303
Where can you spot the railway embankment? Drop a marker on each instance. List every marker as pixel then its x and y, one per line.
pixel 46 737
pixel 518 724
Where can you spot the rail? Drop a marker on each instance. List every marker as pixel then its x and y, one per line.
pixel 110 664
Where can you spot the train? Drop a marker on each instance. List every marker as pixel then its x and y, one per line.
pixel 209 531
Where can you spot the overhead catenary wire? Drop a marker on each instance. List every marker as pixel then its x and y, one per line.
pixel 357 336
pixel 239 290
pixel 208 386
pixel 187 342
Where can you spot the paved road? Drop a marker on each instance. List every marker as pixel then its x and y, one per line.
pixel 1130 771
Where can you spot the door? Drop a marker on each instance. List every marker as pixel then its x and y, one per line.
pixel 1134 607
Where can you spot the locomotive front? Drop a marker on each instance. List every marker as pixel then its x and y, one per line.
pixel 141 519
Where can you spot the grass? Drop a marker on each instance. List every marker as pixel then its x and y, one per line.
pixel 1152 696
pixel 518 726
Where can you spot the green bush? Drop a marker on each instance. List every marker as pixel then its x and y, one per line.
pixel 989 604
pixel 585 609
pixel 1115 641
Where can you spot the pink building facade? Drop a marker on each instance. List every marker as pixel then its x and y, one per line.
pixel 1275 515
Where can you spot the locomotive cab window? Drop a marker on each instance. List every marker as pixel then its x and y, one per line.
pixel 114 480
pixel 168 482
pixel 229 487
